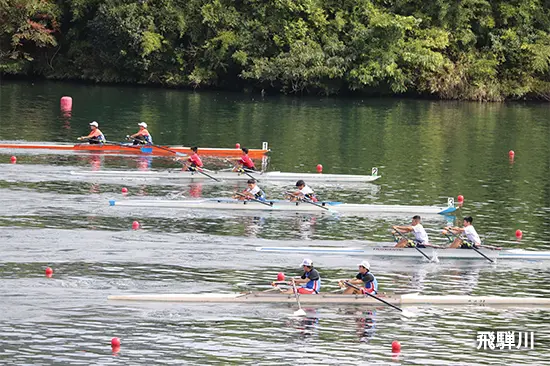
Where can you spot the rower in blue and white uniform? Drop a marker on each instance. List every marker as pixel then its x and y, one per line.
pixel 304 192
pixel 310 280
pixel 420 240
pixel 252 191
pixel 365 280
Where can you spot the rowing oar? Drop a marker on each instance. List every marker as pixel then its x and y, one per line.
pixel 415 247
pixel 255 199
pixel 194 169
pixel 404 312
pixel 304 199
pixel 300 311
pixel 241 170
pixel 473 247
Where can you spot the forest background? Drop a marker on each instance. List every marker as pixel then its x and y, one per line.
pixel 446 49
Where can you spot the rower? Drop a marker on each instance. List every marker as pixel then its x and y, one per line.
pixel 364 278
pixel 310 280
pixel 420 236
pixel 142 136
pixel 472 239
pixel 252 191
pixel 95 136
pixel 304 192
pixel 194 161
pixel 244 163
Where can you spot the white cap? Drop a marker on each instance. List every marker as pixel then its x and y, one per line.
pixel 142 124
pixel 94 123
pixel 365 264
pixel 307 262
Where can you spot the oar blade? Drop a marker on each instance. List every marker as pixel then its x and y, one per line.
pixel 300 312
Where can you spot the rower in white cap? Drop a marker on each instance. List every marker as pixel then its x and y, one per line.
pixel 364 278
pixel 142 136
pixel 310 280
pixel 95 136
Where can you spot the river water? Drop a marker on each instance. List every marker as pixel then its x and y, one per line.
pixel 425 151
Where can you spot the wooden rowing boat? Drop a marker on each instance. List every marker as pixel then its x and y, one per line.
pixel 128 149
pixel 392 251
pixel 284 206
pixel 227 176
pixel 406 299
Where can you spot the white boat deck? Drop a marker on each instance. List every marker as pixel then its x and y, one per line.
pixel 228 176
pixel 406 299
pixel 328 207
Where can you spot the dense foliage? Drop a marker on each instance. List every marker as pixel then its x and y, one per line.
pixel 468 49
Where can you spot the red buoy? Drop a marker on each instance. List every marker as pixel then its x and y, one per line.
pixel 66 104
pixel 395 347
pixel 460 198
pixel 135 225
pixel 237 146
pixel 115 342
pixel 511 154
pixel 124 190
pixel 13 160
pixel 519 234
pixel 49 272
pixel 280 276
pixel 319 168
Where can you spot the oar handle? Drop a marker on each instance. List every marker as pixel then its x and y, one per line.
pixel 270 204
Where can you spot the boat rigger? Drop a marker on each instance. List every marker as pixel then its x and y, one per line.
pixel 228 176
pixel 285 206
pixel 128 149
pixel 392 251
pixel 406 299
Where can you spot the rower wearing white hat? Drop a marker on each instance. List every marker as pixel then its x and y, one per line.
pixel 310 280
pixel 364 278
pixel 95 136
pixel 142 136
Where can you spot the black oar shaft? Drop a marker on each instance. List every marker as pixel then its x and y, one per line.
pixel 415 247
pixel 254 199
pixel 375 297
pixel 194 169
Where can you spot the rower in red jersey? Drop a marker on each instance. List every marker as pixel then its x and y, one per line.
pixel 245 163
pixel 194 161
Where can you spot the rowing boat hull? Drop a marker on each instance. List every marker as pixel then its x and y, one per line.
pixel 134 150
pixel 229 176
pixel 285 206
pixel 262 297
pixel 391 251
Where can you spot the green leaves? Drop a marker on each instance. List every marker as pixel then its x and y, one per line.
pixel 470 49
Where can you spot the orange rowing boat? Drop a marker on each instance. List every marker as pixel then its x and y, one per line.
pixel 124 149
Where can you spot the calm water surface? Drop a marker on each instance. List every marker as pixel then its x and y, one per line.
pixel 425 152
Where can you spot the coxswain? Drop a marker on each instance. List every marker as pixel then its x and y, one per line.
pixel 252 191
pixel 244 163
pixel 365 280
pixel 142 136
pixel 304 192
pixel 310 280
pixel 194 161
pixel 420 240
pixel 95 136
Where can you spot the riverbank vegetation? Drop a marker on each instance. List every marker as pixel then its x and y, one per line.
pixel 467 50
